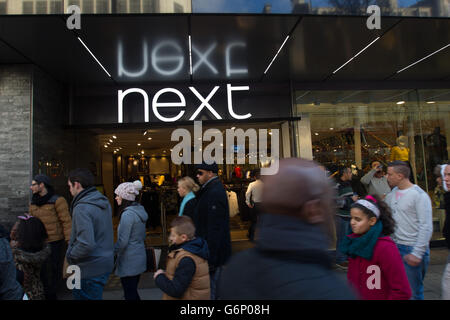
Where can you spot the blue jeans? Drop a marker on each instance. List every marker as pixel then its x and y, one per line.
pixel 214 281
pixel 91 288
pixel 342 229
pixel 415 275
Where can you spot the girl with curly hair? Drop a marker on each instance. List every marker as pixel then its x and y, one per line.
pixel 375 269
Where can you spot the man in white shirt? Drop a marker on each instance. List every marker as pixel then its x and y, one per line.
pixel 412 212
pixel 253 201
pixel 375 181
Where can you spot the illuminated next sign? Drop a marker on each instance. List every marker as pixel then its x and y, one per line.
pixel 180 103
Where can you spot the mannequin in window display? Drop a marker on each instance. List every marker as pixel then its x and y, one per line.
pixel 400 151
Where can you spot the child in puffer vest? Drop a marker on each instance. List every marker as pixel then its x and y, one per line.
pixel 375 268
pixel 187 272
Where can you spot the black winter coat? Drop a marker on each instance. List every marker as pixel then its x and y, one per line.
pixel 212 222
pixel 446 230
pixel 289 262
pixel 189 208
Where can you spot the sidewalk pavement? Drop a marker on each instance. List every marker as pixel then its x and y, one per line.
pixel 148 290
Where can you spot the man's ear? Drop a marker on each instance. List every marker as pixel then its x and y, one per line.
pixel 313 212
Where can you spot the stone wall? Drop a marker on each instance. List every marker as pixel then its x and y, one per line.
pixel 54 144
pixel 15 141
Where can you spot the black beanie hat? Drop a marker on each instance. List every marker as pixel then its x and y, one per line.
pixel 208 167
pixel 43 178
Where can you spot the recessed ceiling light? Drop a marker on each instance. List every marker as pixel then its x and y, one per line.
pixel 145 132
pixel 430 102
pixel 110 140
pixel 114 137
pixel 139 144
pixel 106 146
pixel 233 128
pixel 316 134
pixel 149 138
pixel 331 128
pixel 401 102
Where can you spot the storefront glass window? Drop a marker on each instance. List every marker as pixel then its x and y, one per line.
pixel 435 120
pixel 356 127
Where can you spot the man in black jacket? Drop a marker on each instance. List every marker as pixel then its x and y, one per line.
pixel 290 260
pixel 212 220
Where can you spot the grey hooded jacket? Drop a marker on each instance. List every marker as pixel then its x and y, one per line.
pixel 130 245
pixel 91 245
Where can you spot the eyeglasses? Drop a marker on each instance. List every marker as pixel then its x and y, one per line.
pixel 26 217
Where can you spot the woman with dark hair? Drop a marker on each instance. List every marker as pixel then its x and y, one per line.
pixel 30 250
pixel 375 268
pixel 131 258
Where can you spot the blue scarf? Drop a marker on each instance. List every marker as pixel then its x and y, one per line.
pixel 186 198
pixel 362 246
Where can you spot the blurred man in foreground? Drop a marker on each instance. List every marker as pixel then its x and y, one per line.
pixel 290 259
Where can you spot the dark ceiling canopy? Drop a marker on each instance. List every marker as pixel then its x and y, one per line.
pixel 154 49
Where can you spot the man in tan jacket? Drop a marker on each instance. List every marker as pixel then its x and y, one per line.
pixel 53 211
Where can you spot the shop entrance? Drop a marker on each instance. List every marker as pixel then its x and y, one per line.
pixel 137 154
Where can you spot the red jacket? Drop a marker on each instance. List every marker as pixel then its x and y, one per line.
pixel 387 264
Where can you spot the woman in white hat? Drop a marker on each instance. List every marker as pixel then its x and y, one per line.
pixel 130 246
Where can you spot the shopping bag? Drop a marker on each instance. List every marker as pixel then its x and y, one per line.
pixel 153 257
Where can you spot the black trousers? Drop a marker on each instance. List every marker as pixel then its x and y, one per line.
pixel 130 285
pixel 254 213
pixel 51 272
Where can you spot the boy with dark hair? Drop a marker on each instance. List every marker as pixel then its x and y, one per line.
pixel 187 275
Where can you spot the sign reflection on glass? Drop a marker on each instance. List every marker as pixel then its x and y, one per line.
pixel 168 59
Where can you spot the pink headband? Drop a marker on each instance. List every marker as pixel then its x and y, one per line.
pixel 371 198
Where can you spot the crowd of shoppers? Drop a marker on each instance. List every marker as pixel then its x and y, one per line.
pixel 382 239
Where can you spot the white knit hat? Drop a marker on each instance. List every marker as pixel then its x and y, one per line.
pixel 128 190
